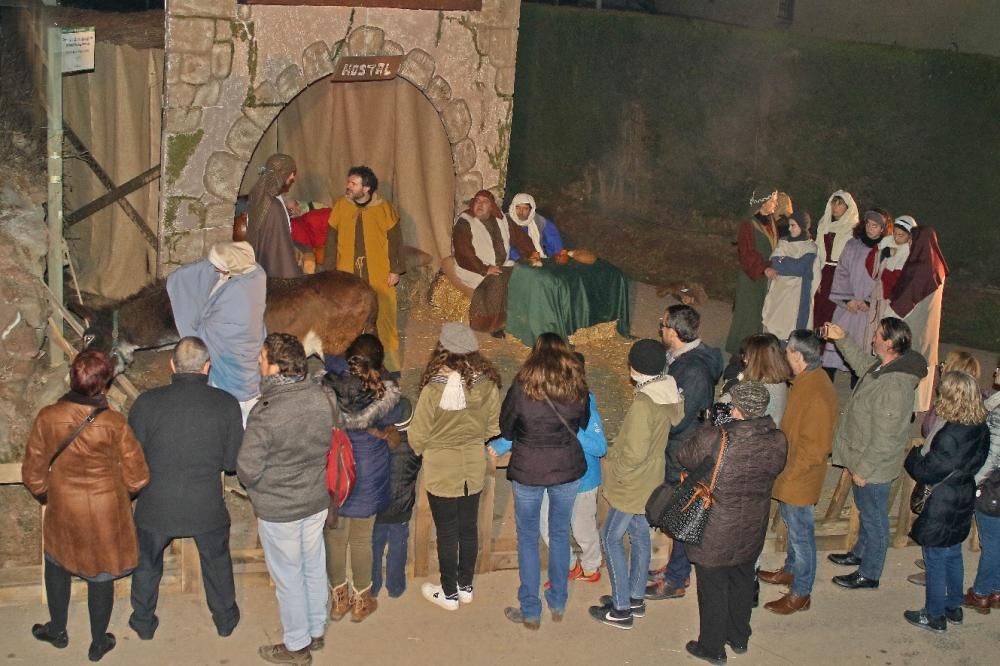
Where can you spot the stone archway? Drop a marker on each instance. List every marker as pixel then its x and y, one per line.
pixel 418 68
pixel 465 69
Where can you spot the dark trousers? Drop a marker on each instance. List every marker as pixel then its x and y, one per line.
pixel 392 537
pixel 725 599
pixel 100 601
pixel 457 522
pixel 216 574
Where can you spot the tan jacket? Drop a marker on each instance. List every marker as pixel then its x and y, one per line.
pixel 88 522
pixel 453 443
pixel 808 423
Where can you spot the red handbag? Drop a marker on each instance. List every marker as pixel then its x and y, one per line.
pixel 340 468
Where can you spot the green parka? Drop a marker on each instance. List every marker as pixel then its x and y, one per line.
pixel 873 433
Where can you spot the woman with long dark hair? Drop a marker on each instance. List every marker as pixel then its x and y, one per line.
pixel 84 462
pixel 369 402
pixel 544 408
pixel 947 463
pixel 457 411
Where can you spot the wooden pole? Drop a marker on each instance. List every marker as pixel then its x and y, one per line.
pixel 53 61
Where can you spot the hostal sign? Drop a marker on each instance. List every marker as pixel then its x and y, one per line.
pixel 366 68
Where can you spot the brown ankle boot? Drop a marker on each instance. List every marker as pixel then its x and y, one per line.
pixel 341 602
pixel 788 604
pixel 364 605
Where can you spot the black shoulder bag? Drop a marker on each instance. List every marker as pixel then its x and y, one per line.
pixel 562 420
pixel 69 440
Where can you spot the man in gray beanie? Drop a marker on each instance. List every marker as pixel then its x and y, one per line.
pixel 753 453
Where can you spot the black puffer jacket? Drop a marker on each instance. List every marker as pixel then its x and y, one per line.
pixel 947 516
pixel 755 455
pixel 544 451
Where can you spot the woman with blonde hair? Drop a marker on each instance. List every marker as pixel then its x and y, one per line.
pixel 543 410
pixel 457 411
pixel 946 466
pixel 957 360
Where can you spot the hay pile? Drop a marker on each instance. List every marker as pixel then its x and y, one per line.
pixel 447 301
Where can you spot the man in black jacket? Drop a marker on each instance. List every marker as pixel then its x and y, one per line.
pixel 190 432
pixel 696 368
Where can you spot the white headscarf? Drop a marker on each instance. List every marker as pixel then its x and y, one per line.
pixel 842 230
pixel 530 225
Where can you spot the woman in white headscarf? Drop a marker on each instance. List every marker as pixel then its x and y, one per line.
pixel 835 228
pixel 543 233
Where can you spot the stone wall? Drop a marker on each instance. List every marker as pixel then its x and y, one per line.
pixel 230 69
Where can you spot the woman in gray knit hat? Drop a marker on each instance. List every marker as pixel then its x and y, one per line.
pixel 753 456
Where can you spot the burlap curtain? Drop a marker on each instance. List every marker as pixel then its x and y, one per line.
pixel 388 125
pixel 115 110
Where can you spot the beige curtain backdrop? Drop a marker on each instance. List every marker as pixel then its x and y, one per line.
pixel 389 126
pixel 115 110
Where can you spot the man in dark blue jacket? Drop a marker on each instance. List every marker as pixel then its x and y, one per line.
pixel 696 368
pixel 190 432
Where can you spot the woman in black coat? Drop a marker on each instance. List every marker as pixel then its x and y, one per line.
pixel 948 462
pixel 545 406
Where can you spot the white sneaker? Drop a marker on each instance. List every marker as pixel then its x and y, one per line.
pixel 434 594
pixel 465 594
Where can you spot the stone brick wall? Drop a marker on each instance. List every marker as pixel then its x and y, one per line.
pixel 230 69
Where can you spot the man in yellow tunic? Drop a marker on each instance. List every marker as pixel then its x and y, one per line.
pixel 368 245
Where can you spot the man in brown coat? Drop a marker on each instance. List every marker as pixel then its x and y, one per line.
pixel 809 420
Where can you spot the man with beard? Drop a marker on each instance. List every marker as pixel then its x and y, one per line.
pixel 368 243
pixel 482 239
pixel 269 229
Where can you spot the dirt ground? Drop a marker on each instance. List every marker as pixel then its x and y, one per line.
pixel 843 627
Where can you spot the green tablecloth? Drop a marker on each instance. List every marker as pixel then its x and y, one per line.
pixel 563 299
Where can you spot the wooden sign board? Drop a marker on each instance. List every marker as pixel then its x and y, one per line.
pixel 366 68
pixel 443 5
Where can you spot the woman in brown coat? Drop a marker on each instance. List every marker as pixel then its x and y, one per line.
pixel 88 522
pixel 734 536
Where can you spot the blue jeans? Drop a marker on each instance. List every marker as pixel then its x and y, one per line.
pixel 527 509
pixel 393 536
pixel 295 555
pixel 944 578
pixel 628 578
pixel 678 566
pixel 988 575
pixel 872 501
pixel 800 561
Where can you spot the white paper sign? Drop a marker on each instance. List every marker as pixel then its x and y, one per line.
pixel 77 49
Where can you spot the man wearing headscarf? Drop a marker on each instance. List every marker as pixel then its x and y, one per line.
pixel 269 228
pixel 368 244
pixel 481 241
pixel 543 233
pixel 221 300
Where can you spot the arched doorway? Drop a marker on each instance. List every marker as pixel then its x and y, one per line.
pixel 389 126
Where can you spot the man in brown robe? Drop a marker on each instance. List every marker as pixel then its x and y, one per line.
pixel 481 241
pixel 269 229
